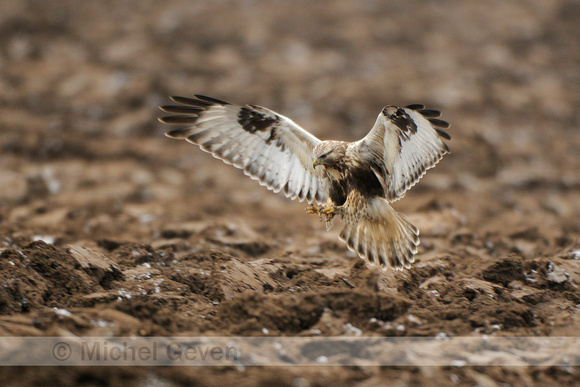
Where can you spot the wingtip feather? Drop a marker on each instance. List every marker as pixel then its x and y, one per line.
pixel 178 134
pixel 211 99
pixel 181 109
pixel 439 123
pixel 179 119
pixel 415 106
pixel 443 134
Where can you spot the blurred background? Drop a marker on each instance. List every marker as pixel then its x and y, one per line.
pixel 83 160
pixel 80 84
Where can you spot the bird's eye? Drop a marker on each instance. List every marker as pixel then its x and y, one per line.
pixel 324 156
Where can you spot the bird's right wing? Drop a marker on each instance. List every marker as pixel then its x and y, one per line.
pixel 402 145
pixel 269 147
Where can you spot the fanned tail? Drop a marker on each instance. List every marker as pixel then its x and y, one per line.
pixel 381 236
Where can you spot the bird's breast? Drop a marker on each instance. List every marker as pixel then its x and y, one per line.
pixel 334 173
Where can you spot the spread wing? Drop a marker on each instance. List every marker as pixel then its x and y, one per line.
pixel 402 145
pixel 269 147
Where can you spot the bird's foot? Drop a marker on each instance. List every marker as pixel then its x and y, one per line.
pixel 328 212
pixel 313 210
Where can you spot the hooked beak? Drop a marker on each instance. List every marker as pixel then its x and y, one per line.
pixel 315 163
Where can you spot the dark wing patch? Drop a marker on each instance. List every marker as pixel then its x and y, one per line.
pixel 415 106
pixel 402 120
pixel 253 121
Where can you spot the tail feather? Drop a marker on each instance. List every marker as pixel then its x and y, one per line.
pixel 382 235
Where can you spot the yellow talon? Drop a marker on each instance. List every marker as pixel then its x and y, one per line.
pixel 313 210
pixel 328 212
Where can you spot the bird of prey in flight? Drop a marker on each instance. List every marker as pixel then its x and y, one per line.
pixel 352 180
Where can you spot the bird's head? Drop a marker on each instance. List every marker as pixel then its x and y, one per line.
pixel 327 153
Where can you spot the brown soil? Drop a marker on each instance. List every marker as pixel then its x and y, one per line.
pixel 136 234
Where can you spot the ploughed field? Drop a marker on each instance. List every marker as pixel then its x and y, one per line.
pixel 109 228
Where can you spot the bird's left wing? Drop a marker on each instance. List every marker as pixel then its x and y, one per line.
pixel 269 147
pixel 402 145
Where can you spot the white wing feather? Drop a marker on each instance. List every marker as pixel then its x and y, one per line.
pixel 269 147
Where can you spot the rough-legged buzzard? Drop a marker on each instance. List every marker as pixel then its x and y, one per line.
pixel 355 180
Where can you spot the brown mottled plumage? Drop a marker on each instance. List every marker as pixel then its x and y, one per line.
pixel 355 181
